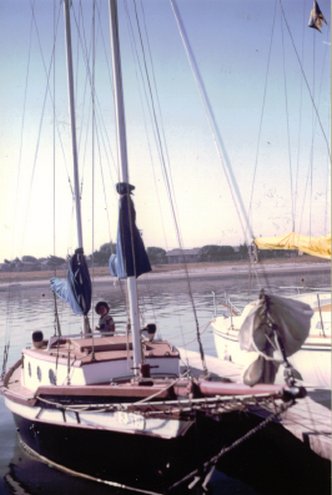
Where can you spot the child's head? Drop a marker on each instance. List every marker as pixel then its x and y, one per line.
pixel 102 308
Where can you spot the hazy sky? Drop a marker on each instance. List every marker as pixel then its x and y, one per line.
pixel 260 88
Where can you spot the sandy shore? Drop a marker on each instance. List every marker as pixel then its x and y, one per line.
pixel 177 271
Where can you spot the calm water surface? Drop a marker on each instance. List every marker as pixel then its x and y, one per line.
pixel 27 308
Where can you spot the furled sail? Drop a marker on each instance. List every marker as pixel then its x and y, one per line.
pixel 290 319
pixel 76 288
pixel 315 246
pixel 275 325
pixel 131 259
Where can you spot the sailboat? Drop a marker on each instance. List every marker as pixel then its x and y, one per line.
pixel 117 409
pixel 231 330
pixel 312 358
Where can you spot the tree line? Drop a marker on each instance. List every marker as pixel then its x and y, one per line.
pixel 157 255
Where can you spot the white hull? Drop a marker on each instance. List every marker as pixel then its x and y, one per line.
pixel 313 360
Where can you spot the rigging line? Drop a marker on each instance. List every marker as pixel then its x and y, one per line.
pixel 143 93
pixel 104 189
pixel 11 293
pixel 103 137
pixel 19 162
pixel 93 91
pixel 99 141
pixel 221 150
pixel 308 190
pixel 91 79
pixel 85 52
pixel 304 199
pixel 109 148
pixel 262 112
pixel 212 462
pixel 47 91
pixel 169 189
pixel 297 171
pixel 90 75
pixel 306 83
pixel 93 125
pixel 161 125
pixel 47 74
pixel 313 133
pixel 53 129
pixel 220 147
pixel 157 97
pixel 158 130
pixel 57 326
pixel 79 22
pixel 327 182
pixel 287 127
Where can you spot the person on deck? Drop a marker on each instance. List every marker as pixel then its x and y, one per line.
pixel 106 323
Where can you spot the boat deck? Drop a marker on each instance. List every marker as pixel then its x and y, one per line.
pixel 309 419
pixel 90 350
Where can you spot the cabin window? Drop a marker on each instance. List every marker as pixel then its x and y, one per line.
pixel 39 373
pixel 29 369
pixel 52 377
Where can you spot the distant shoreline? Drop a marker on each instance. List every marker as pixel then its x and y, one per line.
pixel 177 271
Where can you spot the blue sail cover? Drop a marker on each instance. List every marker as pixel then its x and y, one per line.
pixel 76 288
pixel 131 259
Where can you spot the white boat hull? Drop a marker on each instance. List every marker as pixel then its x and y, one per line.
pixel 313 360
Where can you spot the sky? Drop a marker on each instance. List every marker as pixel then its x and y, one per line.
pixel 261 74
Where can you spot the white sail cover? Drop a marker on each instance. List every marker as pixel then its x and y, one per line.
pixel 290 320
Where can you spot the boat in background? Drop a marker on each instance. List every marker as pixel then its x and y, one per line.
pixel 312 360
pixel 237 332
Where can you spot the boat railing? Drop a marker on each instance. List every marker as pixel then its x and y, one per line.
pixel 320 303
pixel 302 289
pixel 231 309
pixel 318 291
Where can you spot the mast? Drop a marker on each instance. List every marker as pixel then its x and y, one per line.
pixel 122 150
pixel 82 277
pixel 73 122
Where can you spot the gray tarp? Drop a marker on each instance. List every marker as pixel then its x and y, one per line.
pixel 276 325
pixel 290 318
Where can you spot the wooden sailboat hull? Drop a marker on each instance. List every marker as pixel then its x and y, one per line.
pixel 143 444
pixel 111 440
pixel 136 459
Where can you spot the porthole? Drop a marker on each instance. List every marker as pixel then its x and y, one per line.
pixel 39 373
pixel 52 377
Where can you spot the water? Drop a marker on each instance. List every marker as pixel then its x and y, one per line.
pixel 165 302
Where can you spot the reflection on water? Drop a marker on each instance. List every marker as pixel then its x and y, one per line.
pixel 24 309
pixel 26 476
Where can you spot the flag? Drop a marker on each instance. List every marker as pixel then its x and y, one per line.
pixel 76 288
pixel 316 18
